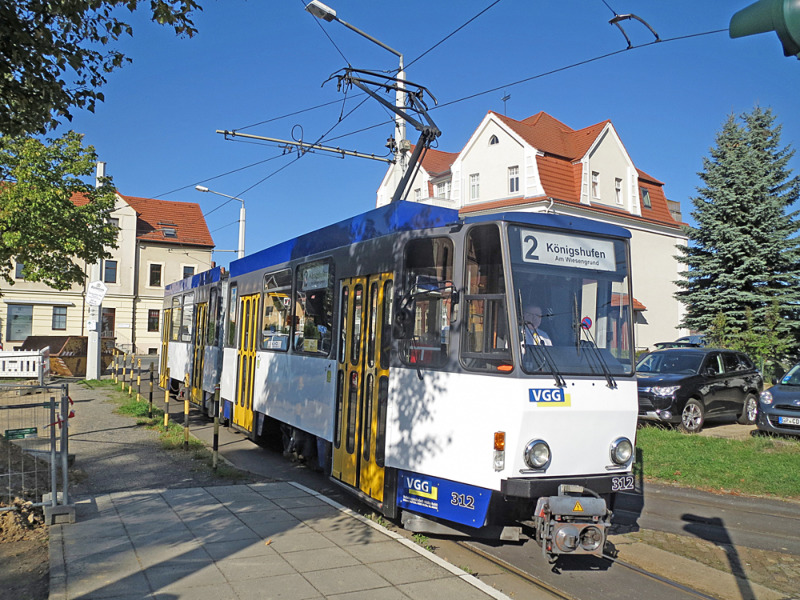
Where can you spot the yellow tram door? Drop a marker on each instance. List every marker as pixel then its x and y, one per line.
pixel 198 351
pixel 363 383
pixel 246 362
pixel 166 331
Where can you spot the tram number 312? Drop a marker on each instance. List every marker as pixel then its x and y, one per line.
pixel 462 500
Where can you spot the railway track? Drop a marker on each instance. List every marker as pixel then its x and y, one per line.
pixel 669 587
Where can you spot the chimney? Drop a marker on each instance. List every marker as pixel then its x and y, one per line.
pixel 101 172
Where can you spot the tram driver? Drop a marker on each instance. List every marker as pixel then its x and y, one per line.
pixel 532 315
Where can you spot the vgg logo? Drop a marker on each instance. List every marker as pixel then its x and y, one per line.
pixel 548 396
pixel 421 487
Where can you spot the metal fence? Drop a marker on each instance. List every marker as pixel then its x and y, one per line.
pixel 34 444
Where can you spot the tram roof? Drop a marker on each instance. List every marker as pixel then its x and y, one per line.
pixel 195 281
pixel 391 218
pixel 566 222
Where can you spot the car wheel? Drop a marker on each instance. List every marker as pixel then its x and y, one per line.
pixel 692 417
pixel 749 410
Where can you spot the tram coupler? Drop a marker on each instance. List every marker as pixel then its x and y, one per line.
pixel 572 522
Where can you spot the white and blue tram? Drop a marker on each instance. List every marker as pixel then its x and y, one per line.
pixel 463 374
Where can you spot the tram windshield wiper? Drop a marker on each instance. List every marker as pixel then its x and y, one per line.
pixel 590 343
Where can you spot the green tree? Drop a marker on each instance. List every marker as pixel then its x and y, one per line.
pixel 40 226
pixel 744 253
pixel 55 55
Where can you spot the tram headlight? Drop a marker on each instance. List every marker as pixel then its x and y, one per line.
pixel 537 454
pixel 621 451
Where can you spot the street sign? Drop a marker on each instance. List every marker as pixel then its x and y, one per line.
pixel 95 293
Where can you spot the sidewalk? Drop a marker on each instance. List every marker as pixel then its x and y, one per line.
pixel 149 526
pixel 263 540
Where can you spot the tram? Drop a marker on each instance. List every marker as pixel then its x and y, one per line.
pixel 464 374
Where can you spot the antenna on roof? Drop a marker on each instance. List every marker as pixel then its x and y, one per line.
pixel 505 98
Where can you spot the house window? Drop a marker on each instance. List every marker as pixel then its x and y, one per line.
pixel 493 140
pixel 618 190
pixel 20 320
pixel 417 195
pixel 513 180
pixel 110 271
pixel 646 198
pixel 595 184
pixel 188 272
pixel 170 232
pixel 474 186
pixel 152 351
pixel 443 190
pixel 107 322
pixel 155 275
pixel 59 317
pixel 153 318
pixel 18 270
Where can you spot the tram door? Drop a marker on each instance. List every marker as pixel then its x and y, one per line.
pixel 363 383
pixel 198 350
pixel 246 362
pixel 166 332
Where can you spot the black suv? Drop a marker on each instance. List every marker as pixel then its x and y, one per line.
pixel 684 386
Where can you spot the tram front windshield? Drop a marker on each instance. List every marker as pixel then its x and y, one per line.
pixel 571 302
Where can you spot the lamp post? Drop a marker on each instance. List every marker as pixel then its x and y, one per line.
pixel 326 13
pixel 202 188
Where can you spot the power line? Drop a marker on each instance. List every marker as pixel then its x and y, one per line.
pixel 447 37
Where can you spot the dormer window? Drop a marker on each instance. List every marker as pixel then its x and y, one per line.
pixel 168 229
pixel 646 198
pixel 493 140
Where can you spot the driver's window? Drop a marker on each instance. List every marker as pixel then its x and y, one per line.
pixel 714 364
pixel 428 277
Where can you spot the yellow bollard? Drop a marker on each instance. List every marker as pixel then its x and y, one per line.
pixel 166 399
pixel 139 380
pixel 186 391
pixel 124 369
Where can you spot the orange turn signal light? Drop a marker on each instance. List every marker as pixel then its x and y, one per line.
pixel 500 440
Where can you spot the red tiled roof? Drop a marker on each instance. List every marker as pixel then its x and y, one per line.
pixel 154 216
pixel 436 161
pixel 550 135
pixel 616 298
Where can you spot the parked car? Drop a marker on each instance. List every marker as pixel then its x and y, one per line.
pixel 684 386
pixel 779 406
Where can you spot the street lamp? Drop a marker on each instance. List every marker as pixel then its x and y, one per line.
pixel 326 13
pixel 202 188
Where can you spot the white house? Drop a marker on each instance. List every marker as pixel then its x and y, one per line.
pixel 159 242
pixel 541 164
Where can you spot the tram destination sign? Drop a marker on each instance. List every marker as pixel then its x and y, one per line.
pixel 567 250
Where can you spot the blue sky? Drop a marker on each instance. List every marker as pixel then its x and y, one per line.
pixel 255 61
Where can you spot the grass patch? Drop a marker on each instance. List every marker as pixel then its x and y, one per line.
pixel 171 436
pixel 759 466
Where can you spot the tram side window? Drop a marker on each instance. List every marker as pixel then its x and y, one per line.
pixel 187 322
pixel 276 322
pixel 428 268
pixel 214 318
pixel 313 308
pixel 485 341
pixel 232 311
pixel 176 318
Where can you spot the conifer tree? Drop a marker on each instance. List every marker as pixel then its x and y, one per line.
pixel 743 255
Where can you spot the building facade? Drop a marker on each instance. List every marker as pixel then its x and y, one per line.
pixel 541 164
pixel 158 242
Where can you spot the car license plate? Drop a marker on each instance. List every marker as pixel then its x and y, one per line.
pixel 623 482
pixel 788 421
